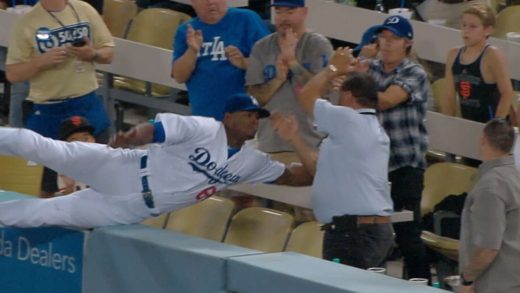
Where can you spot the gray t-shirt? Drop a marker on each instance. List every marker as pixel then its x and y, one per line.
pixel 491 220
pixel 312 52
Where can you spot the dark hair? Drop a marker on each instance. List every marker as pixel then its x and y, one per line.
pixel 363 87
pixel 500 134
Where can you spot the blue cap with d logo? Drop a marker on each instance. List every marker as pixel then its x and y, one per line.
pixel 398 25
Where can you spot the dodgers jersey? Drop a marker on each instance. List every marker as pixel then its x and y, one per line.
pixel 192 163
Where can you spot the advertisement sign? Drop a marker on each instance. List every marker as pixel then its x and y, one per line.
pixel 41 260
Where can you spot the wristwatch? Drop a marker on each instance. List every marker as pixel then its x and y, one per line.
pixel 333 68
pixel 465 282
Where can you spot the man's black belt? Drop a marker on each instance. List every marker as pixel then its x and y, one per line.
pixel 146 191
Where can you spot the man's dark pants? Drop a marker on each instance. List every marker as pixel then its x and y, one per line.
pixel 358 245
pixel 407 186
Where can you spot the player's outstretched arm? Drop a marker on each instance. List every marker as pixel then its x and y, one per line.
pixel 287 127
pixel 139 135
pixel 295 175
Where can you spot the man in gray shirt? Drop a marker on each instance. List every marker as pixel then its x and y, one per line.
pixel 490 233
pixel 280 65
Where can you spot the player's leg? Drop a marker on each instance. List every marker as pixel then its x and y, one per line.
pixel 82 209
pixel 112 171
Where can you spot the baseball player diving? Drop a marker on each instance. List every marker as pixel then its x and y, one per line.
pixel 188 159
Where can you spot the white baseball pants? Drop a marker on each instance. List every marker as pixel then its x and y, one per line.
pixel 113 175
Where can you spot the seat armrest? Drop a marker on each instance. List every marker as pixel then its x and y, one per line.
pixel 438 216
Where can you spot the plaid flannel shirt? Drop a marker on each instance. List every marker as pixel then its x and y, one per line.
pixel 404 123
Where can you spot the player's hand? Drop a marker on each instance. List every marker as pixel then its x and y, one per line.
pixel 343 60
pixel 194 39
pixel 236 57
pixel 287 43
pixel 83 53
pixel 123 139
pixel 137 136
pixel 53 56
pixel 285 126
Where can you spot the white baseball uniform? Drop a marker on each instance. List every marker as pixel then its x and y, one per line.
pixel 190 165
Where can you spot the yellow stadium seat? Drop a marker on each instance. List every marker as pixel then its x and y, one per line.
pixel 438 87
pixel 514 102
pixel 307 239
pixel 443 179
pixel 154 27
pixel 207 219
pixel 497 5
pixel 260 229
pixel 20 175
pixel 514 107
pixel 446 246
pixel 448 249
pixel 117 15
pixel 508 20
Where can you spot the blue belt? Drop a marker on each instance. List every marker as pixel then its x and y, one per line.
pixel 147 192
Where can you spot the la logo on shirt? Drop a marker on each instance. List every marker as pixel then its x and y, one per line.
pixel 216 49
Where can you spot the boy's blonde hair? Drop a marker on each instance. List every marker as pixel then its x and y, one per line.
pixel 484 12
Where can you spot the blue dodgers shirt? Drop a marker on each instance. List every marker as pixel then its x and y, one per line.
pixel 215 78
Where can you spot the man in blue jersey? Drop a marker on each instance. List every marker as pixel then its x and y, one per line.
pixel 210 54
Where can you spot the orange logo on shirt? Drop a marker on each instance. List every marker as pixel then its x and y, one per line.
pixel 465 89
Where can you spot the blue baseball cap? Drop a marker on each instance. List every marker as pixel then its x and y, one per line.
pixel 288 3
pixel 244 102
pixel 398 25
pixel 369 36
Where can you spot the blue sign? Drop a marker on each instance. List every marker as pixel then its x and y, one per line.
pixel 41 260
